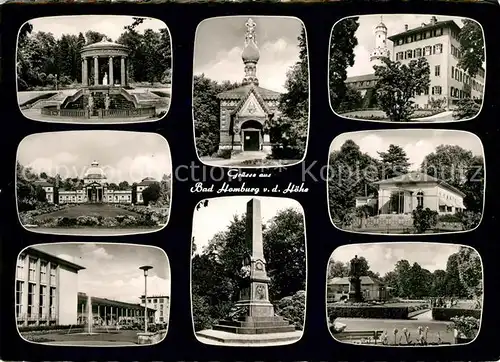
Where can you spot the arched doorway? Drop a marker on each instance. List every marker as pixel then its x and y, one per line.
pixel 251 136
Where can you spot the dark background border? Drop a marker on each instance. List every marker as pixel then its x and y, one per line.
pixel 177 128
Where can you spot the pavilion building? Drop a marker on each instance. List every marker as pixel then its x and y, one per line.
pixel 372 289
pixel 160 304
pixel 245 110
pixel 438 42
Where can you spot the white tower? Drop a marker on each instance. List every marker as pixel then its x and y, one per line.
pixel 381 51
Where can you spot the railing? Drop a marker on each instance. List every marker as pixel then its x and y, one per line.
pixel 73 113
pixel 136 112
pixel 399 222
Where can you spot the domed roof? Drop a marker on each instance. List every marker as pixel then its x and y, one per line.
pixel 104 44
pixel 381 25
pixel 250 53
pixel 94 171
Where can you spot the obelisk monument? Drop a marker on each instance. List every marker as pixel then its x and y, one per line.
pixel 254 313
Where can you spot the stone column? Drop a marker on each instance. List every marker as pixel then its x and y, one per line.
pixel 110 73
pixel 83 71
pixel 96 70
pixel 122 68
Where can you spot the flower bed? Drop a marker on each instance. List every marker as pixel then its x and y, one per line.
pixel 158 216
pixel 120 221
pixel 367 311
pixel 28 217
pixel 46 328
pixel 446 314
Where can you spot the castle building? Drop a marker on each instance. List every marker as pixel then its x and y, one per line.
pixel 245 110
pixel 160 304
pixel 95 189
pixel 438 42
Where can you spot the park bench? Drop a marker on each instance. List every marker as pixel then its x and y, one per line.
pixel 356 335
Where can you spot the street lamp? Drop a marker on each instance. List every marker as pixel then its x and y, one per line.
pixel 145 268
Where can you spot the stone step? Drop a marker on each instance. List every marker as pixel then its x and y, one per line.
pixel 275 318
pixel 241 324
pixel 254 330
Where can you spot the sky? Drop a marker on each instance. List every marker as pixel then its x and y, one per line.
pixel 110 25
pixel 382 257
pixel 112 270
pixel 220 42
pixel 124 156
pixel 417 143
pixel 395 24
pixel 216 217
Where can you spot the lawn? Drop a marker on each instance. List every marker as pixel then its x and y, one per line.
pixel 111 337
pixel 88 210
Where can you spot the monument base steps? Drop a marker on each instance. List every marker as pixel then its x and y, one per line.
pixel 214 337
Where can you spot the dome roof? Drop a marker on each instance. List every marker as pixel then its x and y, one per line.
pixel 381 25
pixel 94 171
pixel 250 53
pixel 104 44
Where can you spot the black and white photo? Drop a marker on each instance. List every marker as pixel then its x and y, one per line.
pixel 248 271
pixel 407 68
pixel 93 182
pixel 94 69
pixel 251 91
pixel 406 181
pixel 405 294
pixel 87 294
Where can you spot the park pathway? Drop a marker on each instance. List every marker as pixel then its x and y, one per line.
pixel 426 316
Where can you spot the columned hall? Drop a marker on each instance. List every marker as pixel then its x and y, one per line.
pixel 104 64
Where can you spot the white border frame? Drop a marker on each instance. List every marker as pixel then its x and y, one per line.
pixel 54 230
pixel 407 130
pixel 97 345
pixel 251 345
pixel 404 346
pixel 99 122
pixel 410 122
pixel 263 168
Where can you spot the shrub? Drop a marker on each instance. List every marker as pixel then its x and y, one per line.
pixel 292 308
pixel 466 108
pixel 226 154
pixel 450 218
pixel 424 219
pixel 446 314
pixel 469 219
pixel 45 328
pixel 468 327
pixel 365 311
pixel 201 313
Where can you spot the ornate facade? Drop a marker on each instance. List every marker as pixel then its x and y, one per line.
pixel 244 111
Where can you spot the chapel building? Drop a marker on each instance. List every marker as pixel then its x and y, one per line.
pixel 245 111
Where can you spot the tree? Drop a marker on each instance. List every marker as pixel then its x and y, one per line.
pixel 466 109
pixel 206 111
pixel 337 269
pixel 284 245
pixel 424 219
pixel 151 193
pixel 438 288
pixel 402 270
pixel 351 174
pixel 124 185
pixel 352 100
pixel 454 285
pixel 398 83
pixel 95 37
pixel 342 43
pixel 394 161
pixel 470 271
pixel 288 132
pixel 391 280
pixel 472 52
pixel 473 186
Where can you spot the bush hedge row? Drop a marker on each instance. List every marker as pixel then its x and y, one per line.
pixel 445 314
pixel 44 328
pixel 353 311
pixel 292 308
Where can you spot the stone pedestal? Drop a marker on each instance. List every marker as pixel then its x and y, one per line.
pixel 355 290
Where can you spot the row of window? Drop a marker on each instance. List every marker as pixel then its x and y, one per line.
pixel 34 310
pixel 32 270
pixel 461 76
pixel 80 197
pixel 420 36
pixel 420 52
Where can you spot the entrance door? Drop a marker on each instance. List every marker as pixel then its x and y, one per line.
pixel 251 141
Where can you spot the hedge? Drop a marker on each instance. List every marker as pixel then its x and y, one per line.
pixel 47 328
pixel 380 312
pixel 445 314
pixel 292 308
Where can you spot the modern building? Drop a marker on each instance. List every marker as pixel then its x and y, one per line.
pixel 108 312
pixel 95 189
pixel 160 304
pixel 403 194
pixel 47 294
pixel 245 110
pixel 46 289
pixel 372 289
pixel 438 42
